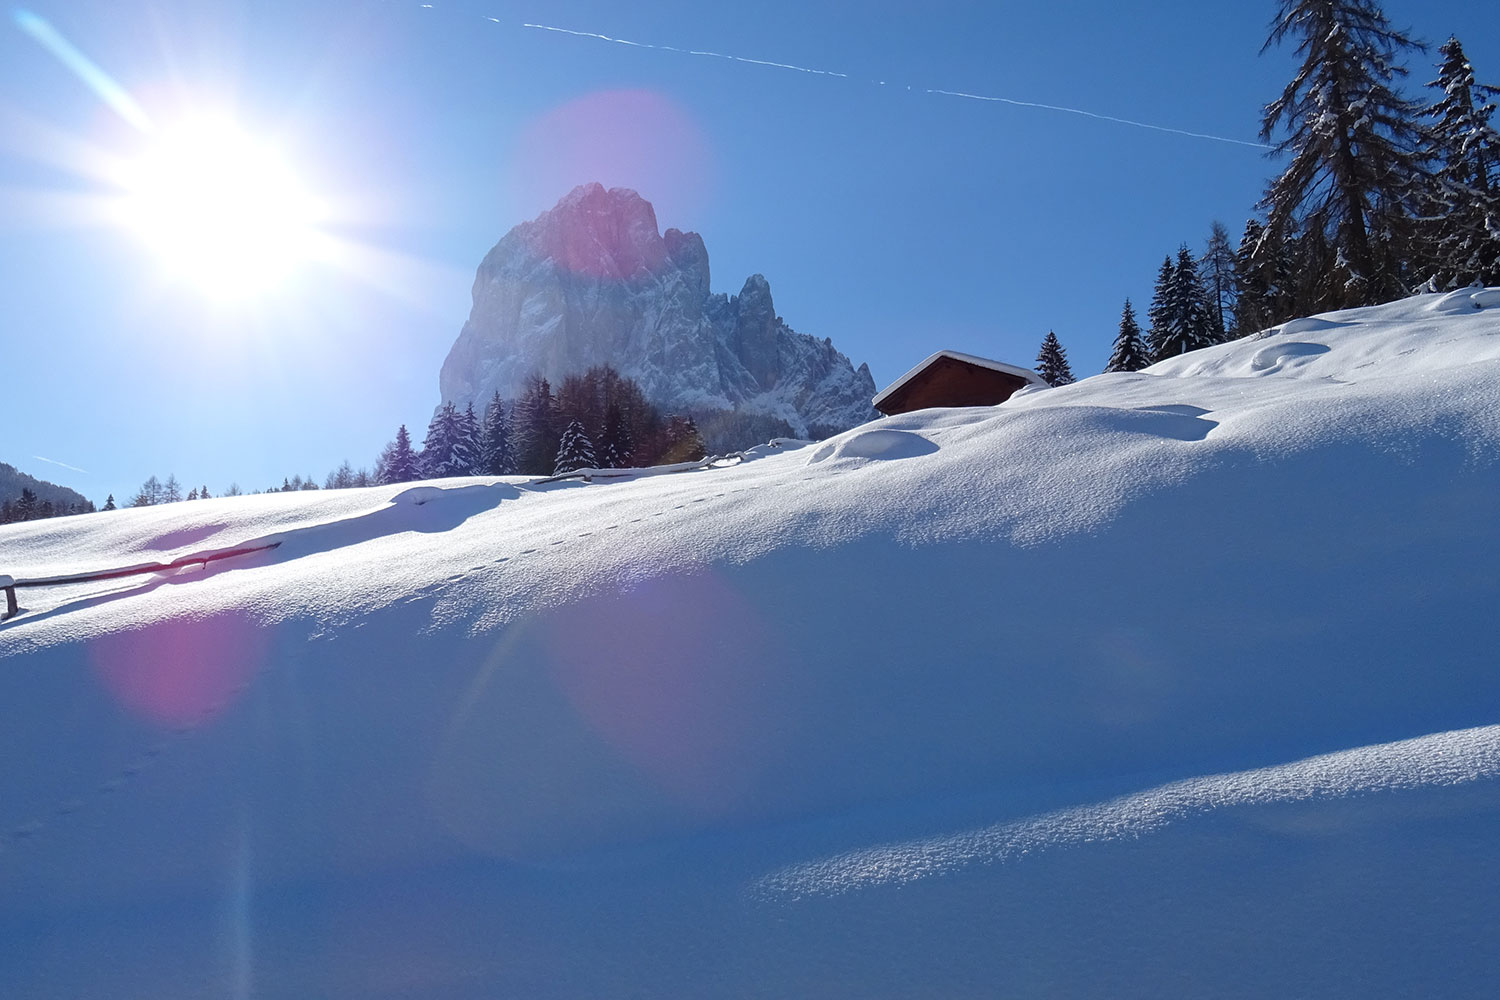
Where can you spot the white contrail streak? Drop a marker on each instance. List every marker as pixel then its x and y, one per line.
pixel 687 52
pixel 64 465
pixel 1103 118
pixel 926 90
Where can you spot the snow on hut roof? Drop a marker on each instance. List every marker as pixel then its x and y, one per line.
pixel 999 366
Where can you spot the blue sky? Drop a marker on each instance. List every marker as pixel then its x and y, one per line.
pixel 893 220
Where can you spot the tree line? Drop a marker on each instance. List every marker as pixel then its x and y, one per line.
pixel 599 419
pixel 1383 195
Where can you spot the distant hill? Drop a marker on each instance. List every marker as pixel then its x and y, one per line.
pixel 13 481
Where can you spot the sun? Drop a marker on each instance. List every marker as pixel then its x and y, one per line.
pixel 223 211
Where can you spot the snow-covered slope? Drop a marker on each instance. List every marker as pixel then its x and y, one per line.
pixel 1175 683
pixel 592 282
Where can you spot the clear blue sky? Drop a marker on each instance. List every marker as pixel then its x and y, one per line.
pixel 894 221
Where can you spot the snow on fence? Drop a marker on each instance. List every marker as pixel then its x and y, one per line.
pixel 10 585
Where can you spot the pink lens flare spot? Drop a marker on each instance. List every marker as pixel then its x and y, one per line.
pixel 635 139
pixel 181 672
pixel 674 674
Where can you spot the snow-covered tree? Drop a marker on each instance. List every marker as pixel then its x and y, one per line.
pixel 575 451
pixel 614 442
pixel 1216 268
pixel 1461 225
pixel 496 456
pixel 533 428
pixel 1052 362
pixel 398 462
pixel 448 449
pixel 1159 315
pixel 1129 354
pixel 1351 138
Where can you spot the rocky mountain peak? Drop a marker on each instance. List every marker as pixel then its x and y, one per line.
pixel 592 282
pixel 605 233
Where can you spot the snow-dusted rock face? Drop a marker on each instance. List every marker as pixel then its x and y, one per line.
pixel 593 282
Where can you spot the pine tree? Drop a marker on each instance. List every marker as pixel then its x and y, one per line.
pixel 398 462
pixel 615 440
pixel 1253 307
pixel 171 491
pixel 1159 315
pixel 466 449
pixel 1353 173
pixel 1217 271
pixel 496 457
pixel 533 428
pixel 1052 362
pixel 683 442
pixel 1191 323
pixel 193 493
pixel 1461 227
pixel 575 451
pixel 203 493
pixel 1129 354
pixel 109 502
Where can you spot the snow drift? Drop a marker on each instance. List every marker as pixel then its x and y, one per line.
pixel 1178 682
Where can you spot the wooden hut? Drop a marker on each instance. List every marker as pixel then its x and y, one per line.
pixel 952 379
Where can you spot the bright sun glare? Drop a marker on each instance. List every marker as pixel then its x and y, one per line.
pixel 223 211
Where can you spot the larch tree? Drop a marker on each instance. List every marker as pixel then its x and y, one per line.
pixel 1351 138
pixel 1217 268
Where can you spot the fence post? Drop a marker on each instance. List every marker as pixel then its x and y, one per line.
pixel 11 607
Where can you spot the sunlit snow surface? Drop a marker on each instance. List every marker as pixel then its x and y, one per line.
pixel 1179 683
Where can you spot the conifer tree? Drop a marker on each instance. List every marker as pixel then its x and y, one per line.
pixel 399 463
pixel 1253 307
pixel 575 451
pixel 193 493
pixel 1052 362
pixel 496 457
pixel 1353 174
pixel 466 452
pixel 203 493
pixel 1189 305
pixel 1461 226
pixel 1159 315
pixel 533 429
pixel 683 442
pixel 614 442
pixel 109 502
pixel 150 493
pixel 171 491
pixel 1217 272
pixel 1129 354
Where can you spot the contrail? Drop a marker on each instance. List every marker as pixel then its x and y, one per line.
pixel 1103 118
pixel 926 90
pixel 687 52
pixel 63 465
pixel 82 67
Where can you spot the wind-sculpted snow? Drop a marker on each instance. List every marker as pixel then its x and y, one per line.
pixel 592 282
pixel 1113 689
